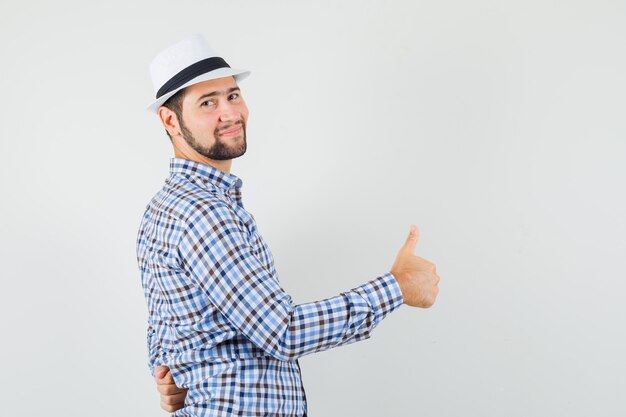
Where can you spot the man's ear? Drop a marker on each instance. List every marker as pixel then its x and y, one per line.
pixel 169 120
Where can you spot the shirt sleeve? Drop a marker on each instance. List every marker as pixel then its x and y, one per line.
pixel 216 253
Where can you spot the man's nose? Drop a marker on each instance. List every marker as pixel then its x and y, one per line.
pixel 228 113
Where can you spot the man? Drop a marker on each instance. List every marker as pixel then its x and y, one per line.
pixel 223 335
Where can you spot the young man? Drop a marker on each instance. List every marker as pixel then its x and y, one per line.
pixel 226 334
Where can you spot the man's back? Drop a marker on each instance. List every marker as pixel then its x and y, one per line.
pixel 205 352
pixel 217 314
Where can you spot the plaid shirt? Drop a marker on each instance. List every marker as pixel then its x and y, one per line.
pixel 218 316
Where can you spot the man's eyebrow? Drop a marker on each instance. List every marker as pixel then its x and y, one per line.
pixel 217 93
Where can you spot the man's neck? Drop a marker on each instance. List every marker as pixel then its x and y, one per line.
pixel 195 156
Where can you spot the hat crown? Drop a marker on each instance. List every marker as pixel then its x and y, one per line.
pixel 185 63
pixel 177 57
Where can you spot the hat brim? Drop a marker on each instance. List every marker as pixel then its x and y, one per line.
pixel 239 75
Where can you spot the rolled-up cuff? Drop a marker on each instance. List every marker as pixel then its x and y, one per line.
pixel 383 294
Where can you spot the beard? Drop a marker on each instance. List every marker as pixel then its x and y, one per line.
pixel 220 150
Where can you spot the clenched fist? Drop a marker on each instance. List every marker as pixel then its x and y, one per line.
pixel 172 397
pixel 416 276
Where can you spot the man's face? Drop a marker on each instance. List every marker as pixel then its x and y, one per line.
pixel 214 119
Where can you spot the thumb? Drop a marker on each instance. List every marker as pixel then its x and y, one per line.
pixel 163 375
pixel 411 240
pixel 160 371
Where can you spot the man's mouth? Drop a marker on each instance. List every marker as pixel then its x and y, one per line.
pixel 233 131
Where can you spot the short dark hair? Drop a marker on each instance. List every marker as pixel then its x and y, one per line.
pixel 175 104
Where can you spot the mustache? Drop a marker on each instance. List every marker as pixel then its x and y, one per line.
pixel 240 122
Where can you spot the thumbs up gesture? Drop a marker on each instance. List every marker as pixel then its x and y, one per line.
pixel 416 276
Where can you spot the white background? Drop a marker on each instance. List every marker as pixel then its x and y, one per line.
pixel 496 126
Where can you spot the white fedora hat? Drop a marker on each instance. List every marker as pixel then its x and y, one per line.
pixel 187 62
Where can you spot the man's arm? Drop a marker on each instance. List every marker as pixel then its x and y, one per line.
pixel 416 276
pixel 216 254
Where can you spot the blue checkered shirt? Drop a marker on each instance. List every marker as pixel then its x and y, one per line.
pixel 218 316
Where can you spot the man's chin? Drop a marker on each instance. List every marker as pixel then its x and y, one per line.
pixel 222 156
pixel 228 139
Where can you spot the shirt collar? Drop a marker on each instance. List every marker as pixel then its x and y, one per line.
pixel 207 174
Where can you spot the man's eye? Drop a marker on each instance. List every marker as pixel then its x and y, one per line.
pixel 206 103
pixel 233 96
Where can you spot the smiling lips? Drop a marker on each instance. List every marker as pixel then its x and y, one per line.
pixel 235 131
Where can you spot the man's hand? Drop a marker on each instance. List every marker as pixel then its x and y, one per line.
pixel 416 276
pixel 172 397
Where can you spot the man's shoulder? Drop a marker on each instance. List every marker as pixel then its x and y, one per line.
pixel 187 202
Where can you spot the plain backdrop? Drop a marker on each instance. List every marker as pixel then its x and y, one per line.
pixel 496 126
